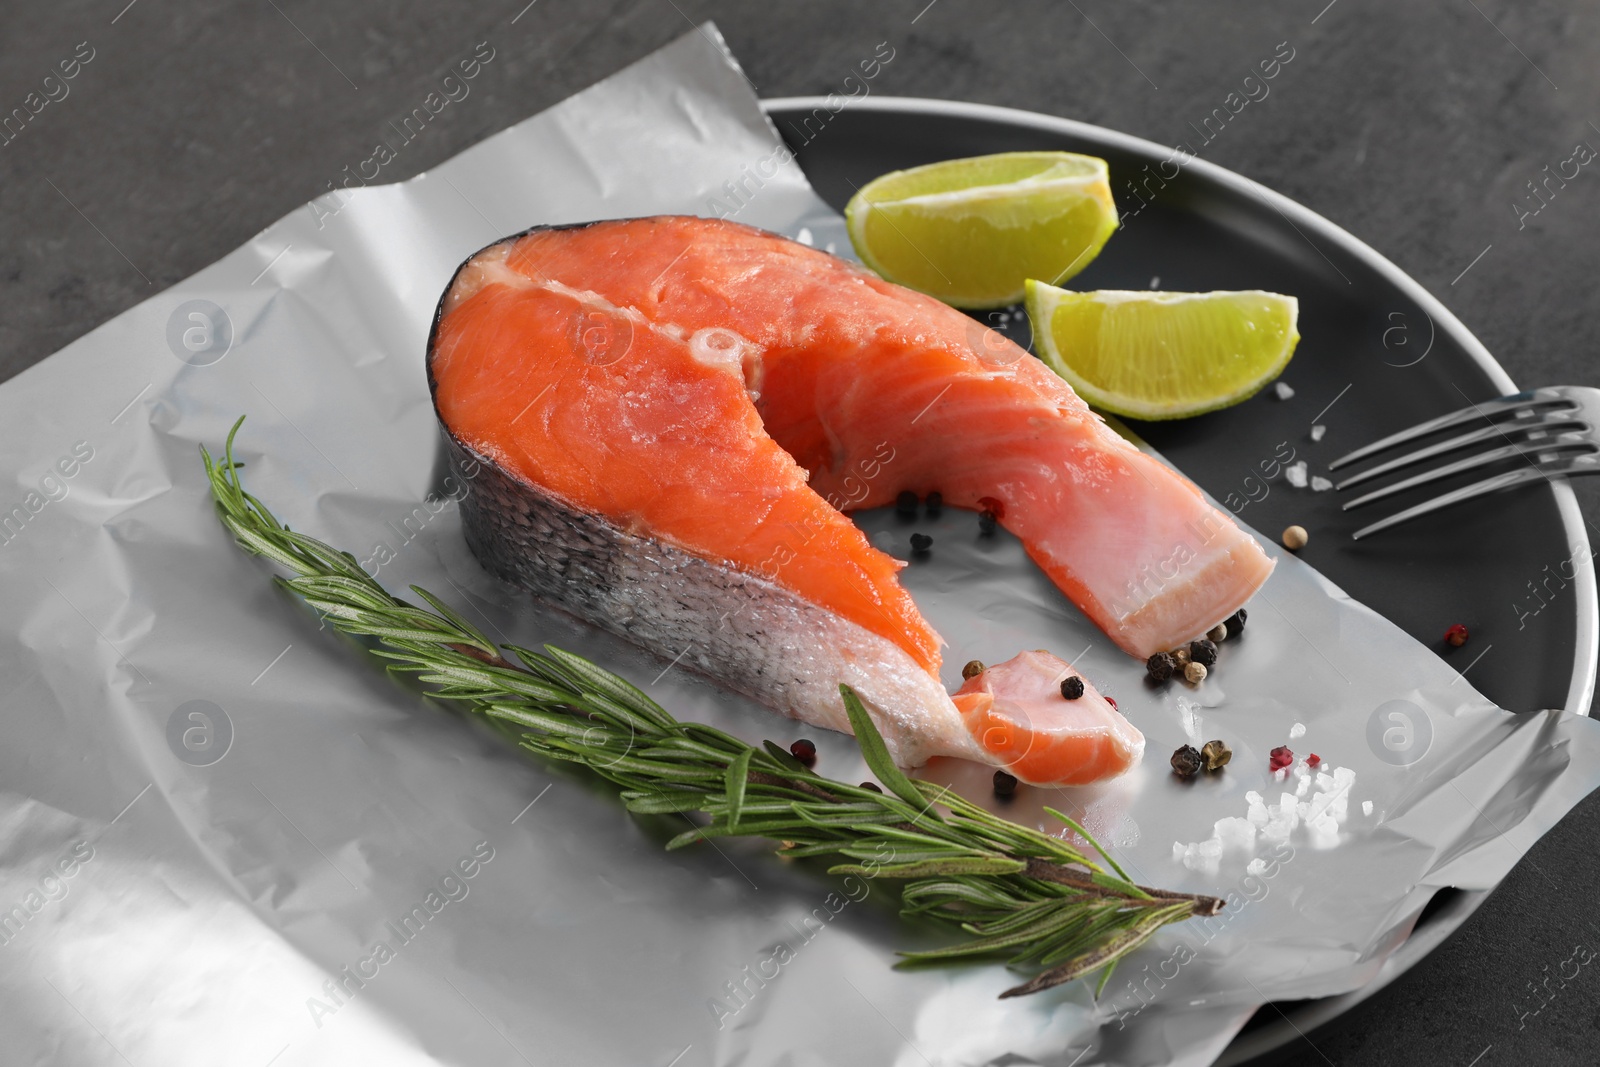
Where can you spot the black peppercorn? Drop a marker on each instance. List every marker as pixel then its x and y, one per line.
pixel 973 668
pixel 1004 784
pixel 1072 688
pixel 1203 652
pixel 986 522
pixel 804 751
pixel 920 543
pixel 1235 622
pixel 935 504
pixel 905 505
pixel 1186 762
pixel 1160 666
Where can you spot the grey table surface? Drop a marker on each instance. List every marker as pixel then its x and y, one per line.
pixel 1416 126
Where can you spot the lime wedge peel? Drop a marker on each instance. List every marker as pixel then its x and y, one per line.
pixel 972 231
pixel 1157 355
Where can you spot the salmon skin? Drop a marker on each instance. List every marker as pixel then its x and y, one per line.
pixel 673 414
pixel 742 630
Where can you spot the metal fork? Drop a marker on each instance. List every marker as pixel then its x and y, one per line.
pixel 1551 430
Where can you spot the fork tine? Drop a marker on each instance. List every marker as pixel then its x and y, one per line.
pixel 1565 443
pixel 1472 437
pixel 1487 409
pixel 1489 485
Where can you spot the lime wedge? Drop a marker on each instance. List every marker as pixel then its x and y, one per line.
pixel 1150 355
pixel 972 231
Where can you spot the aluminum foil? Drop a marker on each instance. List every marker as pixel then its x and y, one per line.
pixel 226 837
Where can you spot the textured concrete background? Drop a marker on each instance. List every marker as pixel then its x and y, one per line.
pixel 1415 125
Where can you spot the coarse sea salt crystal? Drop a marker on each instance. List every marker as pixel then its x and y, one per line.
pixel 1283 390
pixel 1295 473
pixel 1229 833
pixel 1297 730
pixel 1317 431
pixel 1340 807
pixel 1257 815
pixel 1320 813
pixel 1203 856
pixel 1235 832
pixel 1323 831
pixel 1282 819
pixel 1320 484
pixel 1337 790
pixel 1316 807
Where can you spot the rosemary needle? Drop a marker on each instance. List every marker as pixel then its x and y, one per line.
pixel 1013 891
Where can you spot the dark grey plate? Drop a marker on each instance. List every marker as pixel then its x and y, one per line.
pixel 1377 353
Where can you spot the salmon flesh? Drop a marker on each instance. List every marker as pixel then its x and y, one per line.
pixel 670 416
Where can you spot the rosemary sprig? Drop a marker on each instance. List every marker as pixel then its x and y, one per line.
pixel 1012 890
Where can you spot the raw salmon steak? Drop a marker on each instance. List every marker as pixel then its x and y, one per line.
pixel 666 419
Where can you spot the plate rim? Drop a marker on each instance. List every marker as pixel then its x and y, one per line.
pixel 1586 654
pixel 1303 1016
